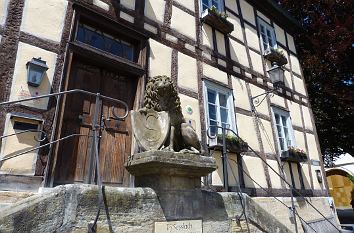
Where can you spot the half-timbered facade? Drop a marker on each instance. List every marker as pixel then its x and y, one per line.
pixel 218 59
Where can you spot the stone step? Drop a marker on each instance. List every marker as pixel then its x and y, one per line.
pixel 26 183
pixel 9 197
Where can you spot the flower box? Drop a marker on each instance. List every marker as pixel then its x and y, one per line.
pixel 275 55
pixel 217 20
pixel 233 144
pixel 293 155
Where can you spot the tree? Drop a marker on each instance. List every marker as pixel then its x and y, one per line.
pixel 326 52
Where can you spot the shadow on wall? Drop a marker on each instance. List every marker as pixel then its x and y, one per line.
pixel 150 11
pixel 233 53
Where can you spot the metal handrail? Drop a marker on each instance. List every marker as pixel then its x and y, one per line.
pixel 72 92
pixel 28 131
pixel 264 161
pixel 41 146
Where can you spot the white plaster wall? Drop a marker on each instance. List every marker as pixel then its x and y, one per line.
pixel 299 85
pixel 232 5
pixel 232 169
pixel 307 118
pixel 263 107
pixel 265 129
pixel 237 32
pixel 306 175
pixel 279 34
pixel 240 93
pixel 218 174
pixel 287 79
pixel 207 36
pixel 263 17
pixel 256 60
pixel 287 174
pixel 180 25
pixel 220 41
pixel 291 43
pixel 313 150
pixel 187 72
pixel 295 65
pixel 23 164
pixel 160 59
pixel 101 4
pixel 247 130
pixel 215 73
pixel 247 12
pixel 44 19
pixel 155 10
pixel 3 11
pixel 253 167
pixel 20 88
pixel 278 100
pixel 238 53
pixel 130 4
pixel 299 139
pixel 252 38
pixel 195 116
pixel 275 179
pixel 187 3
pixel 295 113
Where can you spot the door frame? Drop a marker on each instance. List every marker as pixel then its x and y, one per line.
pixel 79 50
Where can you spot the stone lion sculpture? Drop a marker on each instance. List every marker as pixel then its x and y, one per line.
pixel 161 95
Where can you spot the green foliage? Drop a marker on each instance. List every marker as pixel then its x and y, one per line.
pixel 232 139
pixel 351 178
pixel 326 55
pixel 218 13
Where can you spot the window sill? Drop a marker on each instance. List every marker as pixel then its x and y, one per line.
pixel 273 56
pixel 291 156
pixel 216 21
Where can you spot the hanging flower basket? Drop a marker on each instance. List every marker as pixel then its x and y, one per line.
pixel 217 20
pixel 294 155
pixel 233 144
pixel 275 55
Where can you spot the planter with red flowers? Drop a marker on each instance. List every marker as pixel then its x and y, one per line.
pixel 294 155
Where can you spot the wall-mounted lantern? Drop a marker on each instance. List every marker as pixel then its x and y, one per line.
pixel 319 176
pixel 36 69
pixel 276 74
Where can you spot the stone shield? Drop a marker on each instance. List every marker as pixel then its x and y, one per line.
pixel 150 128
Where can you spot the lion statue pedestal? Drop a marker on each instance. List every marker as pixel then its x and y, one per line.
pixel 172 163
pixel 176 179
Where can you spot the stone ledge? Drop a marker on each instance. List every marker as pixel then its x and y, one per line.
pixel 170 163
pixel 70 208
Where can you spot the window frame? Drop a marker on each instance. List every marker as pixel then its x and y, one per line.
pixel 289 126
pixel 210 4
pixel 266 25
pixel 230 104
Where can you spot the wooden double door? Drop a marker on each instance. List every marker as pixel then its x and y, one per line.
pixel 74 158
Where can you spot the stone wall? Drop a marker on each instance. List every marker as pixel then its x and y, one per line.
pixel 71 208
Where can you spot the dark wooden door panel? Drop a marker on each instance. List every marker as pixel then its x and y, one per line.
pixel 115 135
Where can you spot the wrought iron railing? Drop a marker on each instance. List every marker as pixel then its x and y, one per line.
pixel 94 157
pixel 225 163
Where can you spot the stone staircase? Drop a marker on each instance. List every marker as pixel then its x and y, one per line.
pixel 10 197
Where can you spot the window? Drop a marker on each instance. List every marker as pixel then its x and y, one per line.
pixel 207 4
pixel 267 35
pixel 219 107
pixel 105 42
pixel 283 128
